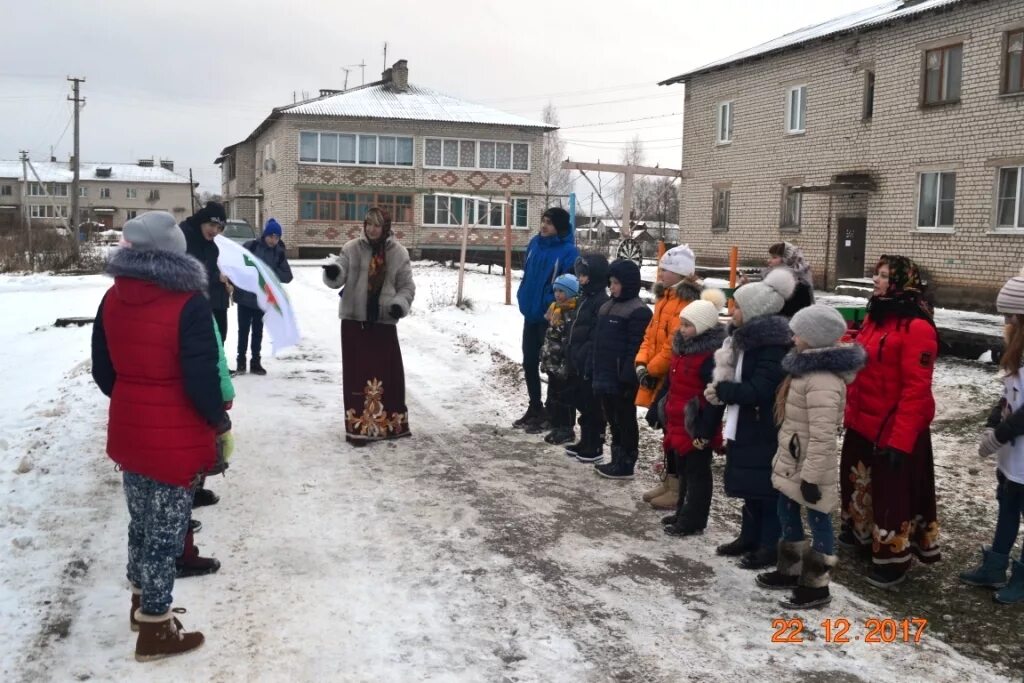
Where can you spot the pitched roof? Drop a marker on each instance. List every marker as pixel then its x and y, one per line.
pixel 60 172
pixel 862 20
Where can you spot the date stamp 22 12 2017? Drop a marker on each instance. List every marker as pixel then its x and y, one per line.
pixel 838 630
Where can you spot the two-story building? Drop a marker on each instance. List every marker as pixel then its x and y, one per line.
pixel 109 194
pixel 898 129
pixel 318 165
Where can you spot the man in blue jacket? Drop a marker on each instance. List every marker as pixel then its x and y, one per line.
pixel 550 253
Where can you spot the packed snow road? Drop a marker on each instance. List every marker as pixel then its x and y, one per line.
pixel 468 552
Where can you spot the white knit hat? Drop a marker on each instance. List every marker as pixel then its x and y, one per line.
pixel 703 313
pixel 1011 297
pixel 679 260
pixel 768 296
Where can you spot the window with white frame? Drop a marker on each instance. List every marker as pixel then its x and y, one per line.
pixel 720 209
pixel 353 148
pixel 943 69
pixel 936 200
pixel 104 193
pixel 53 189
pixel 6 191
pixel 796 109
pixel 483 154
pixel 131 193
pixel 439 210
pixel 153 196
pixel 48 211
pixel 1010 199
pixel 83 191
pixel 723 128
pixel 131 213
pixel 792 208
pixel 1013 63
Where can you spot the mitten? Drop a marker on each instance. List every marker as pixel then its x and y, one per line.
pixel 641 373
pixel 225 446
pixel 396 312
pixel 810 492
pixel 332 271
pixel 988 444
pixel 228 405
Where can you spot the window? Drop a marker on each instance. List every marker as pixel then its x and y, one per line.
pixel 937 196
pixel 1013 63
pixel 154 196
pixel 352 206
pixel 131 193
pixel 1010 198
pixel 724 123
pixel 6 191
pixel 349 148
pixel 104 193
pixel 792 208
pixel 48 211
pixel 484 154
pixel 83 191
pixel 449 211
pixel 720 211
pixel 53 189
pixel 796 109
pixel 522 212
pixel 131 213
pixel 942 73
pixel 869 95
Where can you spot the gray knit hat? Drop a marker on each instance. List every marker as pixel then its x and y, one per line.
pixel 1011 297
pixel 768 296
pixel 154 231
pixel 819 325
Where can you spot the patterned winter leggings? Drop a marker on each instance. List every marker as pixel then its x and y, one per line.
pixel 156 535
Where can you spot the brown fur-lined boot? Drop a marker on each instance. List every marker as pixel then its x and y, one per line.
pixel 788 568
pixel 136 604
pixel 658 490
pixel 668 500
pixel 163 636
pixel 812 590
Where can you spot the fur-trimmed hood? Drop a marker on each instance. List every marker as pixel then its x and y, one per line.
pixel 709 341
pixel 687 290
pixel 166 269
pixel 769 330
pixel 844 360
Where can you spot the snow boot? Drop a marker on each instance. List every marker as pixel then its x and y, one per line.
pixel 136 604
pixel 559 436
pixel 621 467
pixel 195 525
pixel 659 490
pixel 790 565
pixel 888 575
pixel 759 558
pixel 256 368
pixel 529 416
pixel 590 456
pixel 203 497
pixel 736 547
pixel 669 500
pixel 573 449
pixel 240 366
pixel 191 564
pixel 991 573
pixel 162 636
pixel 1014 590
pixel 815 575
pixel 540 424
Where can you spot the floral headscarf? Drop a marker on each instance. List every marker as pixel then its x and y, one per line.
pixel 905 296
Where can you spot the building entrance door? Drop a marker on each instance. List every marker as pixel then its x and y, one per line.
pixel 850 247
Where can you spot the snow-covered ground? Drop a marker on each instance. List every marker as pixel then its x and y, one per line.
pixel 469 552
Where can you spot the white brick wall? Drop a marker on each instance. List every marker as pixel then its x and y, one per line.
pixel 900 141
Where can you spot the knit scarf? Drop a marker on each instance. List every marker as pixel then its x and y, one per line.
pixel 376 277
pixel 557 312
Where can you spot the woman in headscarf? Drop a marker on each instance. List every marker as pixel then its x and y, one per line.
pixel 788 255
pixel 376 274
pixel 887 476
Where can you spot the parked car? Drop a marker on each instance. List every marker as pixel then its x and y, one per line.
pixel 239 231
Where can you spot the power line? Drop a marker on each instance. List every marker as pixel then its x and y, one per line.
pixel 677 138
pixel 608 123
pixel 631 86
pixel 595 104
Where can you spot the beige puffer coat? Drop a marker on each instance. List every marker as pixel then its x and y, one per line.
pixel 808 438
pixel 354 263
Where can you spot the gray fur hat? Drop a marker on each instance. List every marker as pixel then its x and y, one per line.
pixel 820 326
pixel 768 296
pixel 154 231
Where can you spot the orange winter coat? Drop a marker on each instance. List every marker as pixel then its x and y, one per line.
pixel 656 350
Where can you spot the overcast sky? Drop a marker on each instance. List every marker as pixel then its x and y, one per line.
pixel 183 79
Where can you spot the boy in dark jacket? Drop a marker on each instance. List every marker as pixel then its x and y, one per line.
pixel 621 324
pixel 592 274
pixel 200 229
pixel 555 362
pixel 154 353
pixel 271 250
pixel 748 371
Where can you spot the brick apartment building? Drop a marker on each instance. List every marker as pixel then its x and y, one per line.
pixel 897 129
pixel 109 194
pixel 318 165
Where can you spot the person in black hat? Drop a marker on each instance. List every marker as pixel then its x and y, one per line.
pixel 200 229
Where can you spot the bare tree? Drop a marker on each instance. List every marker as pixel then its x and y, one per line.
pixel 207 196
pixel 643 193
pixel 557 181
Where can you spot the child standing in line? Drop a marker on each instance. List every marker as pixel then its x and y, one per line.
pixel 272 251
pixel 620 330
pixel 809 409
pixel 1004 436
pixel 554 360
pixel 592 274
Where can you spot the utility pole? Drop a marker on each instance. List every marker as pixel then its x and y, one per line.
pixel 25 217
pixel 385 55
pixel 345 87
pixel 75 162
pixel 628 171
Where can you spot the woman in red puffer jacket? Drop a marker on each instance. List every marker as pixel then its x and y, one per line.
pixel 887 478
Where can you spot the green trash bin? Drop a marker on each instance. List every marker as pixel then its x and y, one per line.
pixel 853 315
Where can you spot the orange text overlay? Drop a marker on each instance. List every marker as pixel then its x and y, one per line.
pixel 843 631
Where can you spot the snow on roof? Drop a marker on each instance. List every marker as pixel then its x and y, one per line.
pixel 60 172
pixel 384 101
pixel 860 20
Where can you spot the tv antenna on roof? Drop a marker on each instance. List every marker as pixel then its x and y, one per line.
pixel 361 65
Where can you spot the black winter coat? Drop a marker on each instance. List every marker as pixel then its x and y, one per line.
pixel 276 258
pixel 620 330
pixel 748 465
pixel 206 252
pixel 803 296
pixel 593 296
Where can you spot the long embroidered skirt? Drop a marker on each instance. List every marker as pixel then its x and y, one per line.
pixel 373 379
pixel 892 510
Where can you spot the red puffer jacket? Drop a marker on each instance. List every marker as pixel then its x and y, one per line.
pixel 690 371
pixel 891 403
pixel 155 354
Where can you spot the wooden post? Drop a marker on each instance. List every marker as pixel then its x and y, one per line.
pixel 508 248
pixel 661 252
pixel 734 259
pixel 626 230
pixel 462 256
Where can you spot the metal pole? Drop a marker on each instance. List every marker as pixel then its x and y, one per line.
pixel 508 248
pixel 734 260
pixel 828 242
pixel 192 188
pixel 24 209
pixel 462 254
pixel 76 163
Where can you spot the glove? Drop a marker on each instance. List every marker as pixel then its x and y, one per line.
pixel 641 373
pixel 895 458
pixel 229 405
pixel 332 271
pixel 700 444
pixel 810 492
pixel 396 312
pixel 224 425
pixel 652 418
pixel 988 444
pixel 225 447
